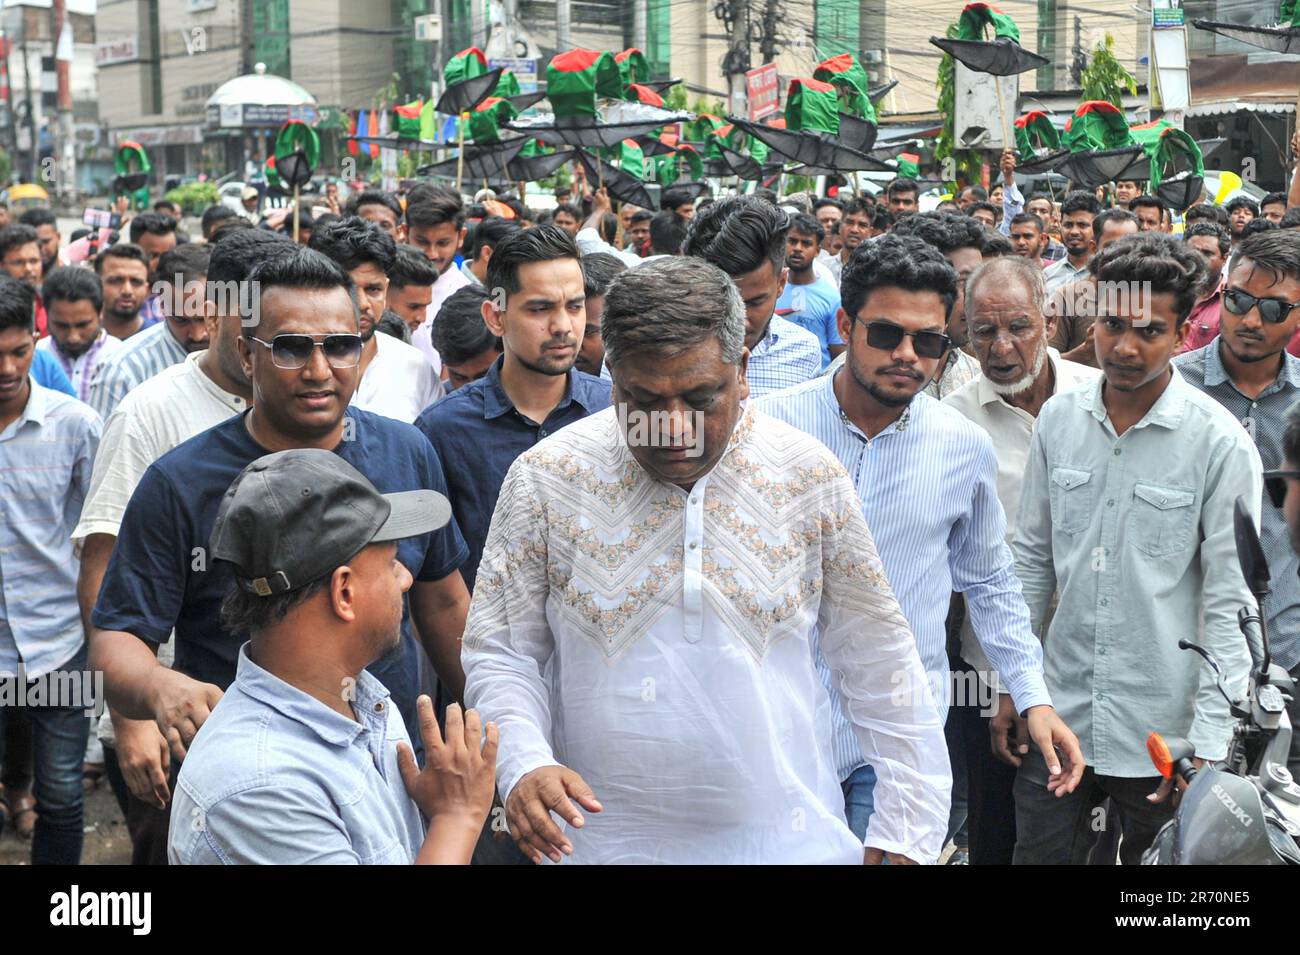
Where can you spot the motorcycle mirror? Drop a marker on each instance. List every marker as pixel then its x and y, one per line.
pixel 1250 554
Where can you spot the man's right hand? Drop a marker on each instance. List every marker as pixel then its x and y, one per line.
pixel 1008 166
pixel 1009 732
pixel 180 706
pixel 144 760
pixel 531 803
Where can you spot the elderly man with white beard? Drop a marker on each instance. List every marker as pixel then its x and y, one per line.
pixel 1009 331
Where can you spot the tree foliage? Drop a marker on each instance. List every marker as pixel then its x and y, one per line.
pixel 1105 78
pixel 965 163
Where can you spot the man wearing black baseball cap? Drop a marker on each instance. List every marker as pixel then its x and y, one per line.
pixel 304 759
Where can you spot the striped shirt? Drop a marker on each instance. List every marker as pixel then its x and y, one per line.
pixel 786 356
pixel 81 369
pixel 1264 419
pixel 141 357
pixel 928 485
pixel 46 456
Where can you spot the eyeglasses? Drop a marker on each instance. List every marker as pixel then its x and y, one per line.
pixel 1275 484
pixel 887 336
pixel 1272 310
pixel 294 351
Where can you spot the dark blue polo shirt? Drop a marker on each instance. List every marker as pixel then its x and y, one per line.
pixel 478 433
pixel 160 576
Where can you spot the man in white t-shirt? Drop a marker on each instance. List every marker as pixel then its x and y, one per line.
pixel 201 391
pixel 396 380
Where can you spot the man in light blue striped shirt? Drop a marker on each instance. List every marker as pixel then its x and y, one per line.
pixel 927 477
pixel 160 346
pixel 746 237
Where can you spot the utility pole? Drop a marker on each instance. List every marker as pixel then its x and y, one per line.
pixel 1079 62
pixel 65 142
pixel 563 26
pixel 639 26
pixel 734 15
pixel 32 144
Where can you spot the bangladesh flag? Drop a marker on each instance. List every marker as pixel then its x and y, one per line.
pixel 909 165
pixel 701 128
pixel 633 67
pixel 1097 124
pixel 576 79
pixel 465 65
pixel 405 121
pixel 668 168
pixel 1035 134
pixel 812 105
pixel 1168 148
pixel 976 16
pixel 628 156
pixel 507 85
pixel 847 75
pixel 486 120
pixel 644 94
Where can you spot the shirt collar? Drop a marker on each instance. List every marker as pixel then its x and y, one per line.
pixel 832 402
pixel 1166 412
pixel 497 403
pixel 37 405
pixel 292 703
pixel 1217 374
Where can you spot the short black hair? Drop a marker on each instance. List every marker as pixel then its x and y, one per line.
pixel 979 192
pixel 212 215
pixel 609 227
pixel 411 267
pixel 805 224
pixel 1030 217
pixel 825 201
pixel 489 234
pixel 985 206
pixel 545 243
pixel 1081 200
pixel 767 195
pixel 373 197
pixel 1272 199
pixel 1274 250
pixel 1290 219
pixel 428 205
pixel 390 323
pixel 300 267
pixel 153 223
pixel 598 270
pixel 569 209
pixel 459 334
pixel 1160 262
pixel 944 232
pixel 1145 201
pixel 739 235
pixel 1207 211
pixel 189 261
pixel 859 206
pixel 896 261
pixel 122 250
pixel 674 197
pixel 667 233
pixel 224 227
pixel 38 217
pixel 69 283
pixel 1111 215
pixel 235 254
pixel 1243 202
pixel 354 242
pixel 902 184
pixel 1219 234
pixel 17 305
pixel 1256 226
pixel 164 204
pixel 996 245
pixel 16 235
pixel 642 215
pixel 881 218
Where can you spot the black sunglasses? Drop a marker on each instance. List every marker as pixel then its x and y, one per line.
pixel 887 336
pixel 1275 485
pixel 1272 310
pixel 292 350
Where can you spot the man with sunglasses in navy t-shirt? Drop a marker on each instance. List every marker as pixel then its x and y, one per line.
pixel 1248 370
pixel 927 476
pixel 301 350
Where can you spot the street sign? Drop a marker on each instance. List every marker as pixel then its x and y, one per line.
pixel 763 91
pixel 1167 18
pixel 525 71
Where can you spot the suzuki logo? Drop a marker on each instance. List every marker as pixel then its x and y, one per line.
pixel 1231 805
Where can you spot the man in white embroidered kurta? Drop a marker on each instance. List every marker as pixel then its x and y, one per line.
pixel 658 642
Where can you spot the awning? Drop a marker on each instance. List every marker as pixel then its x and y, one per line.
pixel 1228 107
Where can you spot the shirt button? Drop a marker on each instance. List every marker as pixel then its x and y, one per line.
pixel 694 499
pixel 693 545
pixel 1111 502
pixel 379 707
pixel 1117 452
pixel 1104 602
pixel 542 432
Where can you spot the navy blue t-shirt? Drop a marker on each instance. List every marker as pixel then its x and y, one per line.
pixel 160 576
pixel 477 434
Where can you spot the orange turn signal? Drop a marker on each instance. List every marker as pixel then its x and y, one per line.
pixel 1158 750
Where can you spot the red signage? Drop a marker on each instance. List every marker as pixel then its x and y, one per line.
pixel 763 91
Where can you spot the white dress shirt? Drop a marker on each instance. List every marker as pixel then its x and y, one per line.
pixel 398 383
pixel 660 644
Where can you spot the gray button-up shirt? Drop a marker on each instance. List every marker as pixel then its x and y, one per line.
pixel 1264 419
pixel 1135 531
pixel 277 777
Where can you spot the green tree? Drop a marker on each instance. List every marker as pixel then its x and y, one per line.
pixel 1105 78
pixel 965 163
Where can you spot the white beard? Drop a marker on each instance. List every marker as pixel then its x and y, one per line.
pixel 1025 383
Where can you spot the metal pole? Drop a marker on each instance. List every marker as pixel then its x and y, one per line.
pixel 563 26
pixel 460 148
pixel 295 212
pixel 33 145
pixel 640 28
pixel 65 143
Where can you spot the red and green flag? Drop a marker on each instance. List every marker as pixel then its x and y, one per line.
pixel 976 16
pixel 486 120
pixel 1167 147
pixel 643 94
pixel 465 65
pixel 846 74
pixel 669 166
pixel 1036 134
pixel 1097 124
pixel 627 156
pixel 507 85
pixel 909 165
pixel 576 79
pixel 405 121
pixel 633 67
pixel 812 105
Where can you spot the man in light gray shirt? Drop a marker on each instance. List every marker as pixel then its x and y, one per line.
pixel 1127 510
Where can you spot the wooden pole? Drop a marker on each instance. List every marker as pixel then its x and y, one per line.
pixel 295 212
pixel 460 149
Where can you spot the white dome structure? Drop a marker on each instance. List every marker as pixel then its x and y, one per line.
pixel 260 88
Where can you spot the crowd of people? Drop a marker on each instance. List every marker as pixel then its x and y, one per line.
pixel 757 528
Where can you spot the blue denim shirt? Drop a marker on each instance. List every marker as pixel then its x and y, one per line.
pixel 275 777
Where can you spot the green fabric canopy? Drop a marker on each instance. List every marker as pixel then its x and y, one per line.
pixel 1097 124
pixel 576 79
pixel 846 74
pixel 976 16
pixel 812 105
pixel 466 64
pixel 1035 133
pixel 633 67
pixel 1164 144
pixel 486 120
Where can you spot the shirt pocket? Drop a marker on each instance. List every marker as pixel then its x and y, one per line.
pixel 1164 519
pixel 1072 494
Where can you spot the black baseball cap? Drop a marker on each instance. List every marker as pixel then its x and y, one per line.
pixel 291 517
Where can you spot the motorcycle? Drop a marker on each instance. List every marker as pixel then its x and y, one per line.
pixel 1246 809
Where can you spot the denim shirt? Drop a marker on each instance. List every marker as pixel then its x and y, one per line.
pixel 275 777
